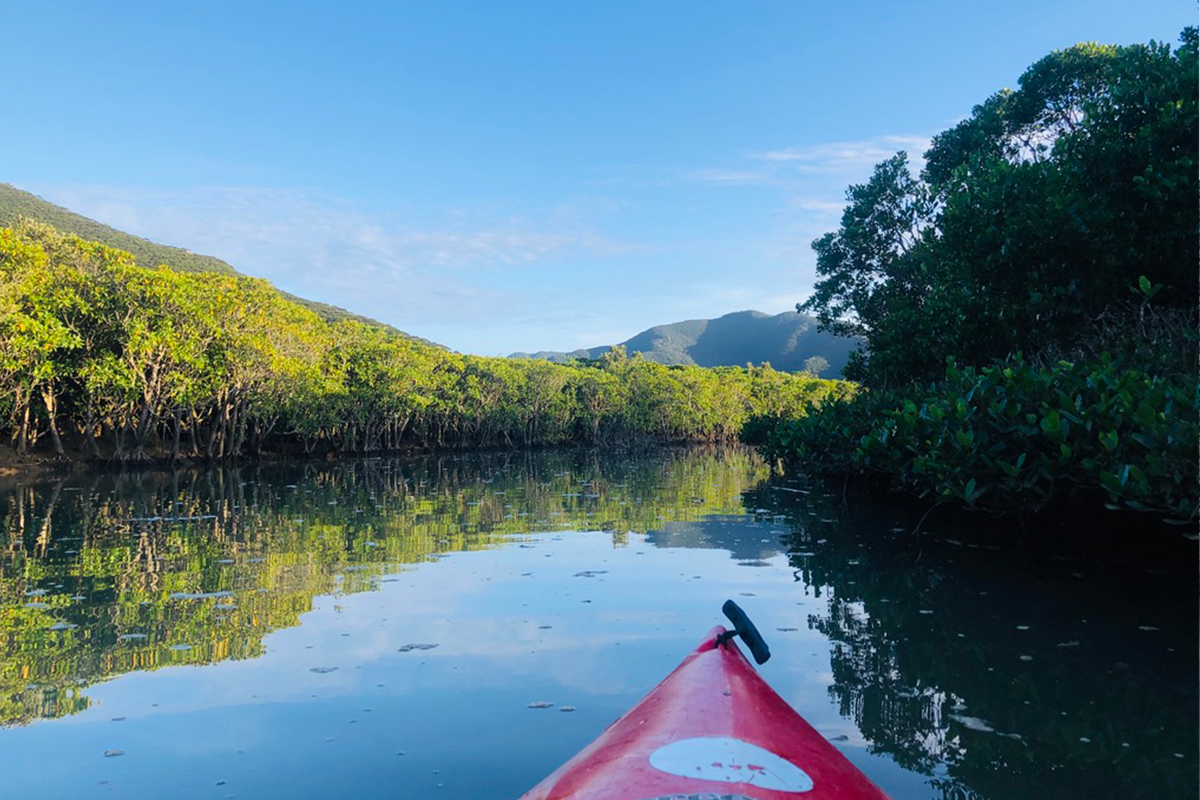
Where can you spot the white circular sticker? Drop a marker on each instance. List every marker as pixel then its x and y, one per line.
pixel 721 758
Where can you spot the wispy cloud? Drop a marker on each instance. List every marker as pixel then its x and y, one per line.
pixel 847 156
pixel 816 204
pixel 837 162
pixel 809 183
pixel 497 277
pixel 728 176
pixel 408 269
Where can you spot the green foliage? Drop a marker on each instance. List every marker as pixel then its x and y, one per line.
pixel 1029 220
pixel 134 363
pixel 1033 222
pixel 17 205
pixel 1016 436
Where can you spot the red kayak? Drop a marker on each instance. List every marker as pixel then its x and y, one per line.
pixel 712 730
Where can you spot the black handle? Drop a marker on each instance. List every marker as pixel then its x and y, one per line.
pixel 745 628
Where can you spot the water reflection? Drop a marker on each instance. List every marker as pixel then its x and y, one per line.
pixel 950 665
pixel 1000 669
pixel 118 572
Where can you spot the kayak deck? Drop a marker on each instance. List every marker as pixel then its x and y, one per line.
pixel 712 730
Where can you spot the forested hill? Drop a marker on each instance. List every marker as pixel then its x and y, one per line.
pixel 787 341
pixel 16 203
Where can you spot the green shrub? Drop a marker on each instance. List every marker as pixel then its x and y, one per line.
pixel 1014 436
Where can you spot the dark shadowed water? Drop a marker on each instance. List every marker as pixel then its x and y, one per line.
pixel 381 628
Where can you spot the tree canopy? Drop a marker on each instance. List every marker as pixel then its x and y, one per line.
pixel 1030 219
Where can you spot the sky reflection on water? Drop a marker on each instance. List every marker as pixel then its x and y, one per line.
pixel 558 578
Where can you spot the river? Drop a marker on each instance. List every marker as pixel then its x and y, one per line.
pixel 457 626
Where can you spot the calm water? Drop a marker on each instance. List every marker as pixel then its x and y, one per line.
pixel 379 628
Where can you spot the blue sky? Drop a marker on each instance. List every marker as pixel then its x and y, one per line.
pixel 508 176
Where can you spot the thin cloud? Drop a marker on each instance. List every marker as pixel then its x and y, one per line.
pixel 404 271
pixel 817 204
pixel 727 176
pixel 837 157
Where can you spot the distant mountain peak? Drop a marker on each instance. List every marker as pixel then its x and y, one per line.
pixel 787 341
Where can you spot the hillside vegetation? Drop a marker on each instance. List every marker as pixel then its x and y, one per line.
pixel 789 341
pixel 16 204
pixel 129 363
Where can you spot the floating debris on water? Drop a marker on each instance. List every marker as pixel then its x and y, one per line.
pixel 1027 658
pixel 322 670
pixel 130 636
pixel 1147 628
pixel 197 595
pixel 566 708
pixel 591 573
pixel 63 626
pixel 540 704
pixel 786 630
pixel 973 723
pixel 113 753
pixel 181 647
pixel 839 738
pixel 408 647
pixel 1071 643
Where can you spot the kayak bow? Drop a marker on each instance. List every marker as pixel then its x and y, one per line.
pixel 712 730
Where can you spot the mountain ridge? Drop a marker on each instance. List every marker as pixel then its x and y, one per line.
pixel 787 341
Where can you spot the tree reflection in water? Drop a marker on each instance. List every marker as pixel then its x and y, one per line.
pixel 108 573
pixel 995 669
pixel 998 669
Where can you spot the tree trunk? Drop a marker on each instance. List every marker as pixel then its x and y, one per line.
pixel 49 399
pixel 23 435
pixel 89 431
pixel 177 419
